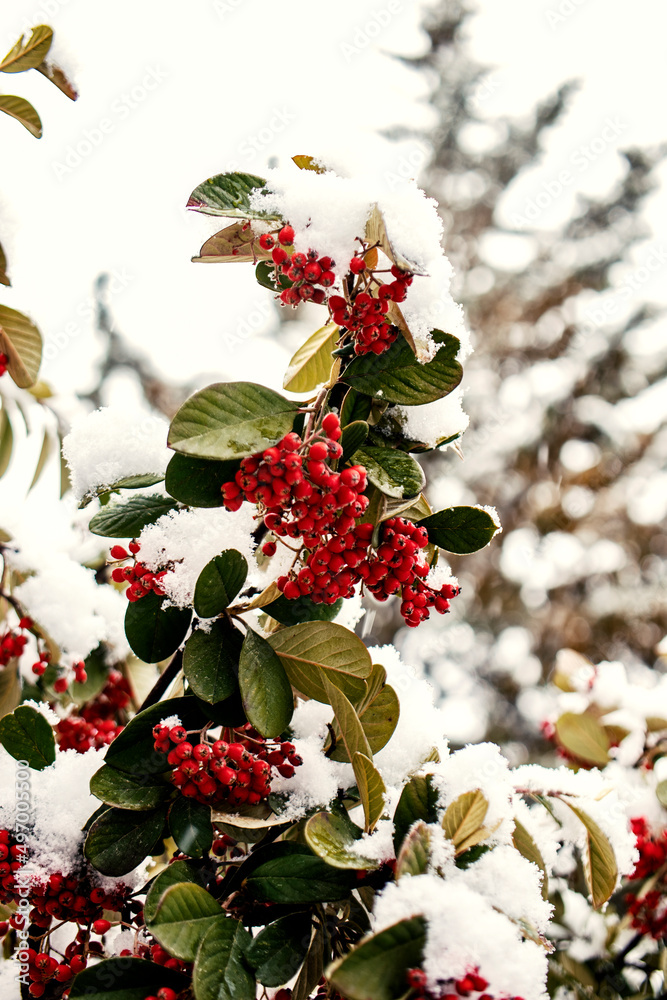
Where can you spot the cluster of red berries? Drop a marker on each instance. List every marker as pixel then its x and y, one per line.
pixel 305 271
pixel 140 579
pixel 96 725
pixel 165 993
pixel 4 362
pixel 649 910
pixel 42 968
pixel 224 771
pixel 156 953
pixel 13 642
pixel 471 983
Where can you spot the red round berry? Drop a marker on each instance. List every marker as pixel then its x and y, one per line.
pixel 286 236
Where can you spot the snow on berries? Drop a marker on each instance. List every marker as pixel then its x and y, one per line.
pixel 225 772
pixel 301 497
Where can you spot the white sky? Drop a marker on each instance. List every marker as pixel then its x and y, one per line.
pixel 186 90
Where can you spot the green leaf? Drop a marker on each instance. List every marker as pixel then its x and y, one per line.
pixel 251 823
pixel 174 874
pixel 133 749
pixel 332 835
pixel 23 112
pixel 413 857
pixel 351 730
pixel 355 406
pixel 155 631
pixel 419 800
pixel 230 420
pixel 20 340
pixel 232 245
pixel 600 866
pixel 30 54
pixel 394 473
pixel 190 826
pixel 220 971
pixel 583 737
pixel 376 968
pixel 371 788
pixel 219 582
pixel 354 436
pixel 311 365
pixel 293 874
pixel 125 979
pixel 228 195
pixel 526 846
pixel 460 529
pixel 120 839
pixel 211 661
pixel 182 917
pixel 127 520
pixel 315 648
pixel 278 951
pixel 378 717
pixel 464 816
pixel 117 788
pixel 196 481
pixel 26 735
pixel 126 483
pixel 265 689
pixel 313 966
pixel 397 377
pixel 301 610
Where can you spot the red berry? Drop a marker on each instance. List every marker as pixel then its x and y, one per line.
pixel 286 236
pixel 118 552
pixel 101 926
pixel 357 265
pixel 266 241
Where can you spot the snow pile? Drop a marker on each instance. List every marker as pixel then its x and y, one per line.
pixel 186 540
pixel 114 443
pixel 329 213
pixel 432 422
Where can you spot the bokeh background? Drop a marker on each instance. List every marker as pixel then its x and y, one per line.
pixel 538 127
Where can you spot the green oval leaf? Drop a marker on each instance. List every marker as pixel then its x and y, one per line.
pixel 419 800
pixel 332 837
pixel 117 788
pixel 378 716
pixel 397 377
pixel 353 437
pixel 315 648
pixel 228 195
pixel 125 979
pixel 278 951
pixel 526 846
pixel 26 735
pixel 371 788
pixel 211 661
pixel 464 816
pixel 266 692
pixel 174 874
pixel 583 737
pixel 219 582
pixel 127 520
pixel 311 365
pixel 20 340
pixel 196 481
pixel 460 529
pixel 184 914
pixel 155 630
pixel 395 473
pixel 376 969
pixel 28 55
pixel 600 866
pixel 190 826
pixel 126 483
pixel 231 420
pixel 355 406
pixel 351 730
pixel 120 839
pixel 23 112
pixel 414 855
pixel 293 874
pixel 220 971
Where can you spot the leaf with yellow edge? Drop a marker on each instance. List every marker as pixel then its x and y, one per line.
pixel 584 737
pixel 311 365
pixel 28 55
pixel 600 868
pixel 351 730
pixel 464 816
pixel 371 788
pixel 376 233
pixel 305 162
pixel 23 111
pixel 21 341
pixel 526 846
pixel 231 245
